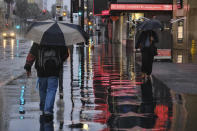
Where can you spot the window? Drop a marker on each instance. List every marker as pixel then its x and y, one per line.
pixel 180 32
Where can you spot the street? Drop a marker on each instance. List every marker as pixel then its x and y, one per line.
pixel 12 55
pixel 102 91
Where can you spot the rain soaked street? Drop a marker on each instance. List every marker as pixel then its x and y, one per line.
pixel 103 91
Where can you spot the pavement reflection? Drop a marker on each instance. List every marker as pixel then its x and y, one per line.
pixel 102 91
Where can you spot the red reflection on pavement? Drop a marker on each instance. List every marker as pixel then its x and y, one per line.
pixel 106 129
pixel 162 112
pixel 104 115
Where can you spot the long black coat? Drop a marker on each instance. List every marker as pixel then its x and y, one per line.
pixel 148 53
pixel 143 36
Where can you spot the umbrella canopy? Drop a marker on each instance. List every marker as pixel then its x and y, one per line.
pixel 56 33
pixel 150 25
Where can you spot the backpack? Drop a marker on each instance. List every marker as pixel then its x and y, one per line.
pixel 49 58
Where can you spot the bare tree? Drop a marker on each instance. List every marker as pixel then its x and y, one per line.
pixel 21 9
pixel 33 10
pixel 8 2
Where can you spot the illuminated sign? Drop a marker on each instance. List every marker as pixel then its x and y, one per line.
pixel 105 12
pixel 145 1
pixel 141 7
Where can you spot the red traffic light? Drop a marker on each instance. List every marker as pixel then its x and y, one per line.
pixel 44 11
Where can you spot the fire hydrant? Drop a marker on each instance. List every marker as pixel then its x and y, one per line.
pixel 193 48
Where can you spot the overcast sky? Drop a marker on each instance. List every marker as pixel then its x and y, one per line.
pixel 51 2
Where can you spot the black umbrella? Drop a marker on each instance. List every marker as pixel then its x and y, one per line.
pixel 56 33
pixel 150 25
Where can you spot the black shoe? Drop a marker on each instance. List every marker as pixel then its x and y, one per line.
pixel 48 117
pixel 42 118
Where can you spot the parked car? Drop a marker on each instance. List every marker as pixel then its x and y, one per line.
pixel 8 34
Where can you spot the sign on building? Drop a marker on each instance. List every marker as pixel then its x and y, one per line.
pixel 146 1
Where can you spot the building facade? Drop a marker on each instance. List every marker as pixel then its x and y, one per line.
pixel 2 12
pixel 45 4
pixel 125 11
pixel 184 30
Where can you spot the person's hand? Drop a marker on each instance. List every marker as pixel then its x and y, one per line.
pixel 151 39
pixel 136 50
pixel 28 73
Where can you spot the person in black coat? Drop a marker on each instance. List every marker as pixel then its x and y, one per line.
pixel 47 77
pixel 146 42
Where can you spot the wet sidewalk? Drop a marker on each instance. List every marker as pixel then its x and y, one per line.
pixel 181 78
pixel 103 91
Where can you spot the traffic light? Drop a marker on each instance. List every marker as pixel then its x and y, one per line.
pixel 18 26
pixel 80 13
pixel 75 6
pixel 89 23
pixel 179 4
pixel 90 27
pixel 6 25
pixel 44 11
pixel 64 13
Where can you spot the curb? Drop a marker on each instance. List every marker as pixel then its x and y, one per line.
pixel 11 79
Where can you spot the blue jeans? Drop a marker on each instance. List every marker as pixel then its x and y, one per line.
pixel 47 91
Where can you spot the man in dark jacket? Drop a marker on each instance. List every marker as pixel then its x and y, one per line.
pixel 47 79
pixel 146 43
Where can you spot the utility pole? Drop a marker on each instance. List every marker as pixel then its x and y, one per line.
pixel 71 11
pixel 82 15
pixel 88 18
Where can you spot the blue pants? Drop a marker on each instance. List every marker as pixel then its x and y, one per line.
pixel 47 91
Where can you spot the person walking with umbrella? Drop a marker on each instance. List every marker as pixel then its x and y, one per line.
pixel 48 63
pixel 146 42
pixel 48 52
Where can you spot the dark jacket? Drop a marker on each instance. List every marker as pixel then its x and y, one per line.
pixel 33 57
pixel 143 36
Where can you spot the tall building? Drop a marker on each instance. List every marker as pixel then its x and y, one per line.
pixel 44 4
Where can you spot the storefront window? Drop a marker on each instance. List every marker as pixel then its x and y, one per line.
pixel 180 34
pixel 137 15
pixel 180 59
pixel 133 16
